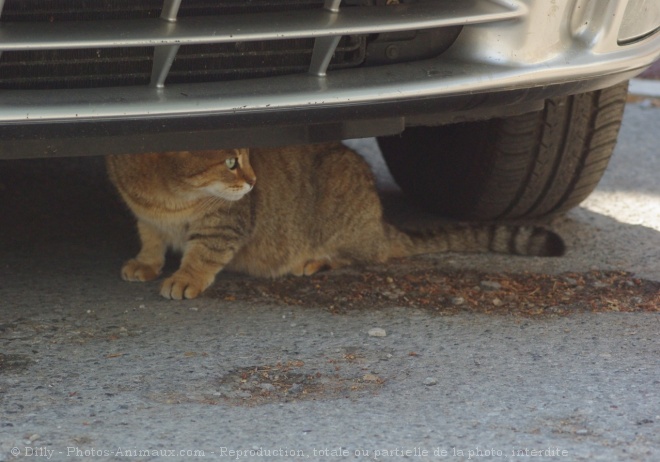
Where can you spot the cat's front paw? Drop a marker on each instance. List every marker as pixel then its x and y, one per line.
pixel 183 285
pixel 134 270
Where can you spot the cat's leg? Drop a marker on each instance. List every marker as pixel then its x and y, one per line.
pixel 148 264
pixel 199 266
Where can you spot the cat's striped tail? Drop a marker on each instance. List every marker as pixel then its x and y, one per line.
pixel 515 240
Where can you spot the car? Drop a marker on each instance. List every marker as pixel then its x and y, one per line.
pixel 483 109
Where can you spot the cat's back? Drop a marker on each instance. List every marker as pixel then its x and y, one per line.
pixel 133 176
pixel 125 170
pixel 318 185
pixel 310 167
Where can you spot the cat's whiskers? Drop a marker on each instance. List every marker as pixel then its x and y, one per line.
pixel 208 202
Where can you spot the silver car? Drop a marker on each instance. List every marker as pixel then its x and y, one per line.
pixel 484 109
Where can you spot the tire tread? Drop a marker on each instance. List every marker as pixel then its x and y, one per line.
pixel 528 166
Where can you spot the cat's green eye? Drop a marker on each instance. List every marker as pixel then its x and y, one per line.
pixel 232 163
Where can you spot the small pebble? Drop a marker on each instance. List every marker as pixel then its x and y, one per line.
pixel 497 302
pixel 34 437
pixel 430 381
pixel 370 378
pixel 646 104
pixel 267 386
pixel 377 332
pixel 458 300
pixel 295 388
pixel 491 285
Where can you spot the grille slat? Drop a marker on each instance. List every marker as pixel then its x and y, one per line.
pixel 253 27
pixel 52 69
pixel 86 10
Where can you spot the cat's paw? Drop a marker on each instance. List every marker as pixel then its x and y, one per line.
pixel 314 266
pixel 134 270
pixel 183 285
pixel 311 267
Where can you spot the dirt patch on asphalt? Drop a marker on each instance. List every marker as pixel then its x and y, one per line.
pixel 292 381
pixel 14 363
pixel 646 101
pixel 334 378
pixel 447 293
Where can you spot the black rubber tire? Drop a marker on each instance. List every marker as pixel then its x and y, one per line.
pixel 528 166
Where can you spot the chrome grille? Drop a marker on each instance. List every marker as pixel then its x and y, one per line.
pixel 243 60
pixel 107 67
pixel 127 58
pixel 77 68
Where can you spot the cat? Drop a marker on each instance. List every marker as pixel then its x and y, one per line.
pixel 307 208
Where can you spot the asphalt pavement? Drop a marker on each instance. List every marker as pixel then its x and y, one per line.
pixel 447 357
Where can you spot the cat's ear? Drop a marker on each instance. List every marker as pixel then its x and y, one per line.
pixel 246 173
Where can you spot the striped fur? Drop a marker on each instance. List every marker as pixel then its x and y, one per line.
pixel 311 207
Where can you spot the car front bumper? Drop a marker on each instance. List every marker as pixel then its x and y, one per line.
pixel 509 57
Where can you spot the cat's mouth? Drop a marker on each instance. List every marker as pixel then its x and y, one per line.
pixel 229 194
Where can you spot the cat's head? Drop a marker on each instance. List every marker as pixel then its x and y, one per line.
pixel 223 173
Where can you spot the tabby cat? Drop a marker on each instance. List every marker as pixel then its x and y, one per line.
pixel 310 207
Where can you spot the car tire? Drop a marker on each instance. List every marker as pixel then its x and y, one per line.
pixel 528 166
